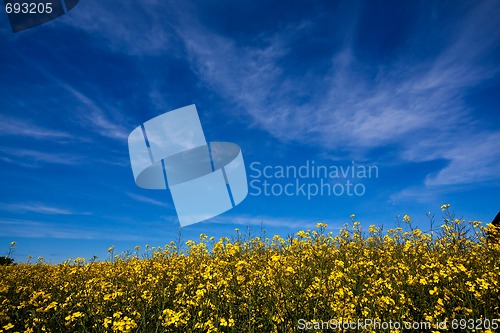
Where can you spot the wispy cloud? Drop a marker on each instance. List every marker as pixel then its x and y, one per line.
pixel 25 128
pixel 274 222
pixel 130 27
pixel 41 229
pixel 474 160
pixel 95 117
pixel 89 111
pixel 38 208
pixel 149 200
pixel 416 106
pixel 32 158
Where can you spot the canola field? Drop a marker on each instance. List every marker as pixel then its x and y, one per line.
pixel 308 282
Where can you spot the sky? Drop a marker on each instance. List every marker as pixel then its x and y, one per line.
pixel 408 89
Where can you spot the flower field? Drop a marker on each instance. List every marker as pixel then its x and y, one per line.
pixel 261 284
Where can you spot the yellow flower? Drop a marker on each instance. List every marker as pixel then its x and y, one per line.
pixel 195 288
pixel 445 207
pixel 8 326
pixel 74 316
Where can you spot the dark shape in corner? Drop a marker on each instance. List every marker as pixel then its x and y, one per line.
pixel 493 231
pixel 496 220
pixel 70 4
pixel 4 261
pixel 25 15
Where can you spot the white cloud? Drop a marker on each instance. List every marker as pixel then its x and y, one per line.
pixel 417 107
pixel 25 128
pixel 37 208
pixel 42 229
pixel 91 111
pixel 129 27
pixel 95 117
pixel 32 158
pixel 149 200
pixel 475 160
pixel 274 222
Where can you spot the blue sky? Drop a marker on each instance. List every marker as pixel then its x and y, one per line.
pixel 411 88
